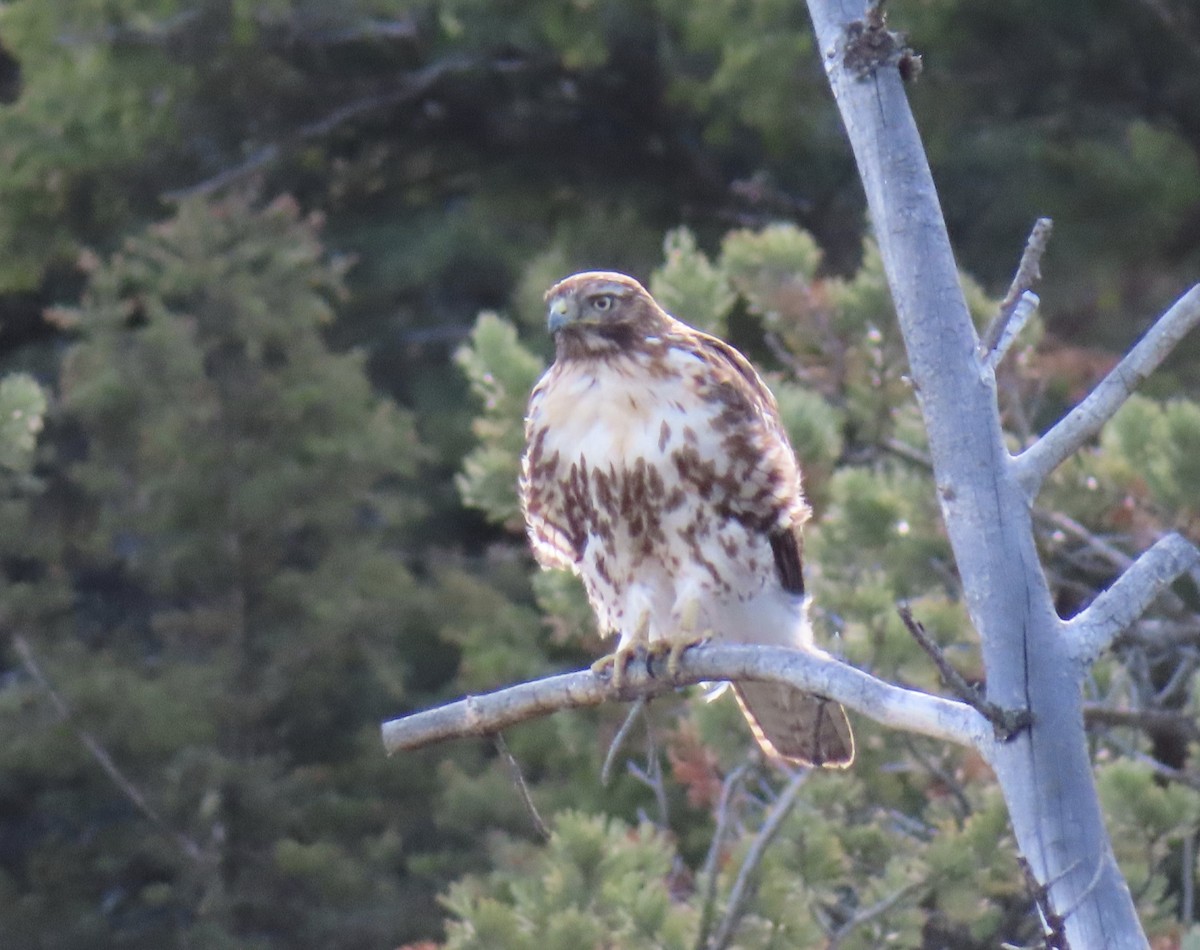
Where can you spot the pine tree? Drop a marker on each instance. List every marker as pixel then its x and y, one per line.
pixel 240 502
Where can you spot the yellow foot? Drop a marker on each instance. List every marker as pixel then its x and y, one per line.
pixel 616 662
pixel 675 653
pixel 620 658
pixel 686 635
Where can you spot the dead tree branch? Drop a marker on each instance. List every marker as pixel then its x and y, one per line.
pixel 189 848
pixel 1005 722
pixel 997 337
pixel 1084 421
pixel 890 705
pixel 746 881
pixel 1094 629
pixel 414 86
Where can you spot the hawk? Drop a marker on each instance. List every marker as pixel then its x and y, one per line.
pixel 657 469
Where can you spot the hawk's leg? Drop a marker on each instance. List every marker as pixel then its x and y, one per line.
pixel 627 649
pixel 688 635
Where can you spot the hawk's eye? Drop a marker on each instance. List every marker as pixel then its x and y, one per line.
pixel 602 303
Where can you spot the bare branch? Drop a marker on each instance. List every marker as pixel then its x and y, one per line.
pixel 186 845
pixel 1053 924
pixel 652 776
pixel 1029 272
pixel 619 739
pixel 867 914
pixel 1146 720
pixel 743 885
pixel 1020 314
pixel 1093 629
pixel 413 87
pixel 815 672
pixel 1005 722
pixel 711 869
pixel 1086 419
pixel 1069 526
pixel 518 776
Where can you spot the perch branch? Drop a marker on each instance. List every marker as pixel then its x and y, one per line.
pixel 1022 312
pixel 1094 628
pixel 814 672
pixel 1086 419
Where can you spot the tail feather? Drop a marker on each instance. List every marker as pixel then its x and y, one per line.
pixel 798 726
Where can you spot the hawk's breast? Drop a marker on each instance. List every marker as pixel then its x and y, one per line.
pixel 634 479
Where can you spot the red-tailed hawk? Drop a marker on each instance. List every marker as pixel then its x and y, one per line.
pixel 658 470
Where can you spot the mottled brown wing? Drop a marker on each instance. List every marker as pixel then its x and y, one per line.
pixel 785 545
pixel 551 542
pixel 723 356
pixel 788 723
pixel 787 515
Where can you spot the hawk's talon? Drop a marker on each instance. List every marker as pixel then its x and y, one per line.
pixel 618 660
pixel 675 654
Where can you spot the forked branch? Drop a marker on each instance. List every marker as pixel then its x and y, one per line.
pixel 1085 420
pixel 1095 628
pixel 890 705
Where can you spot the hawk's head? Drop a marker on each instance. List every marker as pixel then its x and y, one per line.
pixel 601 311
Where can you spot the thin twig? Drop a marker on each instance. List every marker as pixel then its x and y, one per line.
pixel 652 777
pixel 1145 720
pixel 867 914
pixel 1187 907
pixel 1102 861
pixel 1180 681
pixel 1029 272
pixel 619 739
pixel 415 85
pixel 1069 525
pixel 190 848
pixel 522 787
pixel 1006 722
pixel 1185 777
pixel 810 671
pixel 1094 628
pixel 1086 419
pixel 710 871
pixel 746 881
pixel 1053 924
pixel 952 785
pixel 908 452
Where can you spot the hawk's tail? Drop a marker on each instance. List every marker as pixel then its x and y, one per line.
pixel 792 724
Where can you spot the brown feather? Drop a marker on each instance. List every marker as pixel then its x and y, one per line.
pixel 786 548
pixel 797 726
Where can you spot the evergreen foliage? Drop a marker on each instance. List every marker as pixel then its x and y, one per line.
pixel 946 870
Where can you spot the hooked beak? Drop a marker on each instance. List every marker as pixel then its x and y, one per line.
pixel 563 310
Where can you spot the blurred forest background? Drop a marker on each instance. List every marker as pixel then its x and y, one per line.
pixel 270 307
